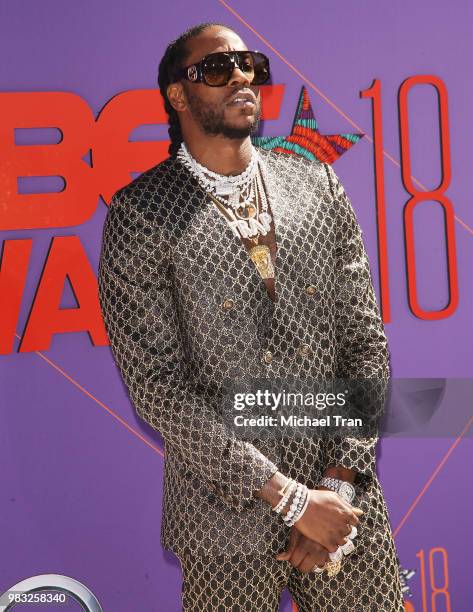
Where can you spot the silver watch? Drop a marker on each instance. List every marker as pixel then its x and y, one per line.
pixel 345 489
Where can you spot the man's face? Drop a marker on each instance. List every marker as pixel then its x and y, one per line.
pixel 213 108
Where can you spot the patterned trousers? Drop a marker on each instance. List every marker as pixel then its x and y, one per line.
pixel 368 582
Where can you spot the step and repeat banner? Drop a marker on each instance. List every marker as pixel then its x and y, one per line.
pixel 382 91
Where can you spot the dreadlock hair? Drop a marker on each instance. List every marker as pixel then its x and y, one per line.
pixel 173 59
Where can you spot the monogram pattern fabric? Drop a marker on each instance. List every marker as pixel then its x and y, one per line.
pixel 253 583
pixel 185 309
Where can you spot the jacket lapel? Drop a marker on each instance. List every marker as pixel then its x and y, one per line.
pixel 283 217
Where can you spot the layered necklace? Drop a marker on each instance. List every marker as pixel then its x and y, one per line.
pixel 241 199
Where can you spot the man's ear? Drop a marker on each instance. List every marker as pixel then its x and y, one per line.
pixel 177 96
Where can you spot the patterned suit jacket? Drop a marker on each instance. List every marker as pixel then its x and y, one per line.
pixel 168 266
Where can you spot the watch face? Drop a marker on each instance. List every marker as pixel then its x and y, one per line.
pixel 347 491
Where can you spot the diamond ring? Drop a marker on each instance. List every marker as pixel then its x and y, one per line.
pixel 347 548
pixel 337 555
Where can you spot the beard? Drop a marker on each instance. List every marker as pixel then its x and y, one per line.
pixel 212 119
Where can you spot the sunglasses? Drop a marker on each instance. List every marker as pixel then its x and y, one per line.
pixel 216 69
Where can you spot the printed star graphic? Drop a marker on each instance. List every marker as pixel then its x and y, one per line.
pixel 305 138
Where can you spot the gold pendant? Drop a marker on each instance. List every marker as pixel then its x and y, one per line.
pixel 261 257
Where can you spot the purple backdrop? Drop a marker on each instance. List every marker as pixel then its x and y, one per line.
pixel 80 494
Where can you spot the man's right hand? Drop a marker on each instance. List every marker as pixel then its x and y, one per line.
pixel 328 519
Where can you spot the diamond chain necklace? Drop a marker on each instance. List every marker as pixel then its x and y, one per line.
pixel 231 187
pixel 238 199
pixel 239 194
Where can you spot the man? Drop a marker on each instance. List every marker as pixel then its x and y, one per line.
pixel 223 262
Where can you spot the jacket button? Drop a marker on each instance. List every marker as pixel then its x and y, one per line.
pixel 304 349
pixel 310 290
pixel 228 303
pixel 268 357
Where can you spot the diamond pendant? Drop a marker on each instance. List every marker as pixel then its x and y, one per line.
pixel 234 199
pixel 224 188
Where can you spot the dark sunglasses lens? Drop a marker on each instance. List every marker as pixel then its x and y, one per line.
pixel 217 69
pixel 246 64
pixel 260 68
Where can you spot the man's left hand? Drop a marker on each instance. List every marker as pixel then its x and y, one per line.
pixel 303 553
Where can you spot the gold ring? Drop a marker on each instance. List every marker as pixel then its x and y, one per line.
pixel 333 567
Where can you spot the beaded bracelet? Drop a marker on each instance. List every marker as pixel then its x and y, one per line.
pixel 283 501
pixel 300 506
pixel 294 504
pixel 304 507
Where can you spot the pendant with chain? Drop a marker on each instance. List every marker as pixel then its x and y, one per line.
pixel 239 198
pixel 260 254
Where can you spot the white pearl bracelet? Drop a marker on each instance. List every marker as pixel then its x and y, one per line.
pixel 294 504
pixel 298 507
